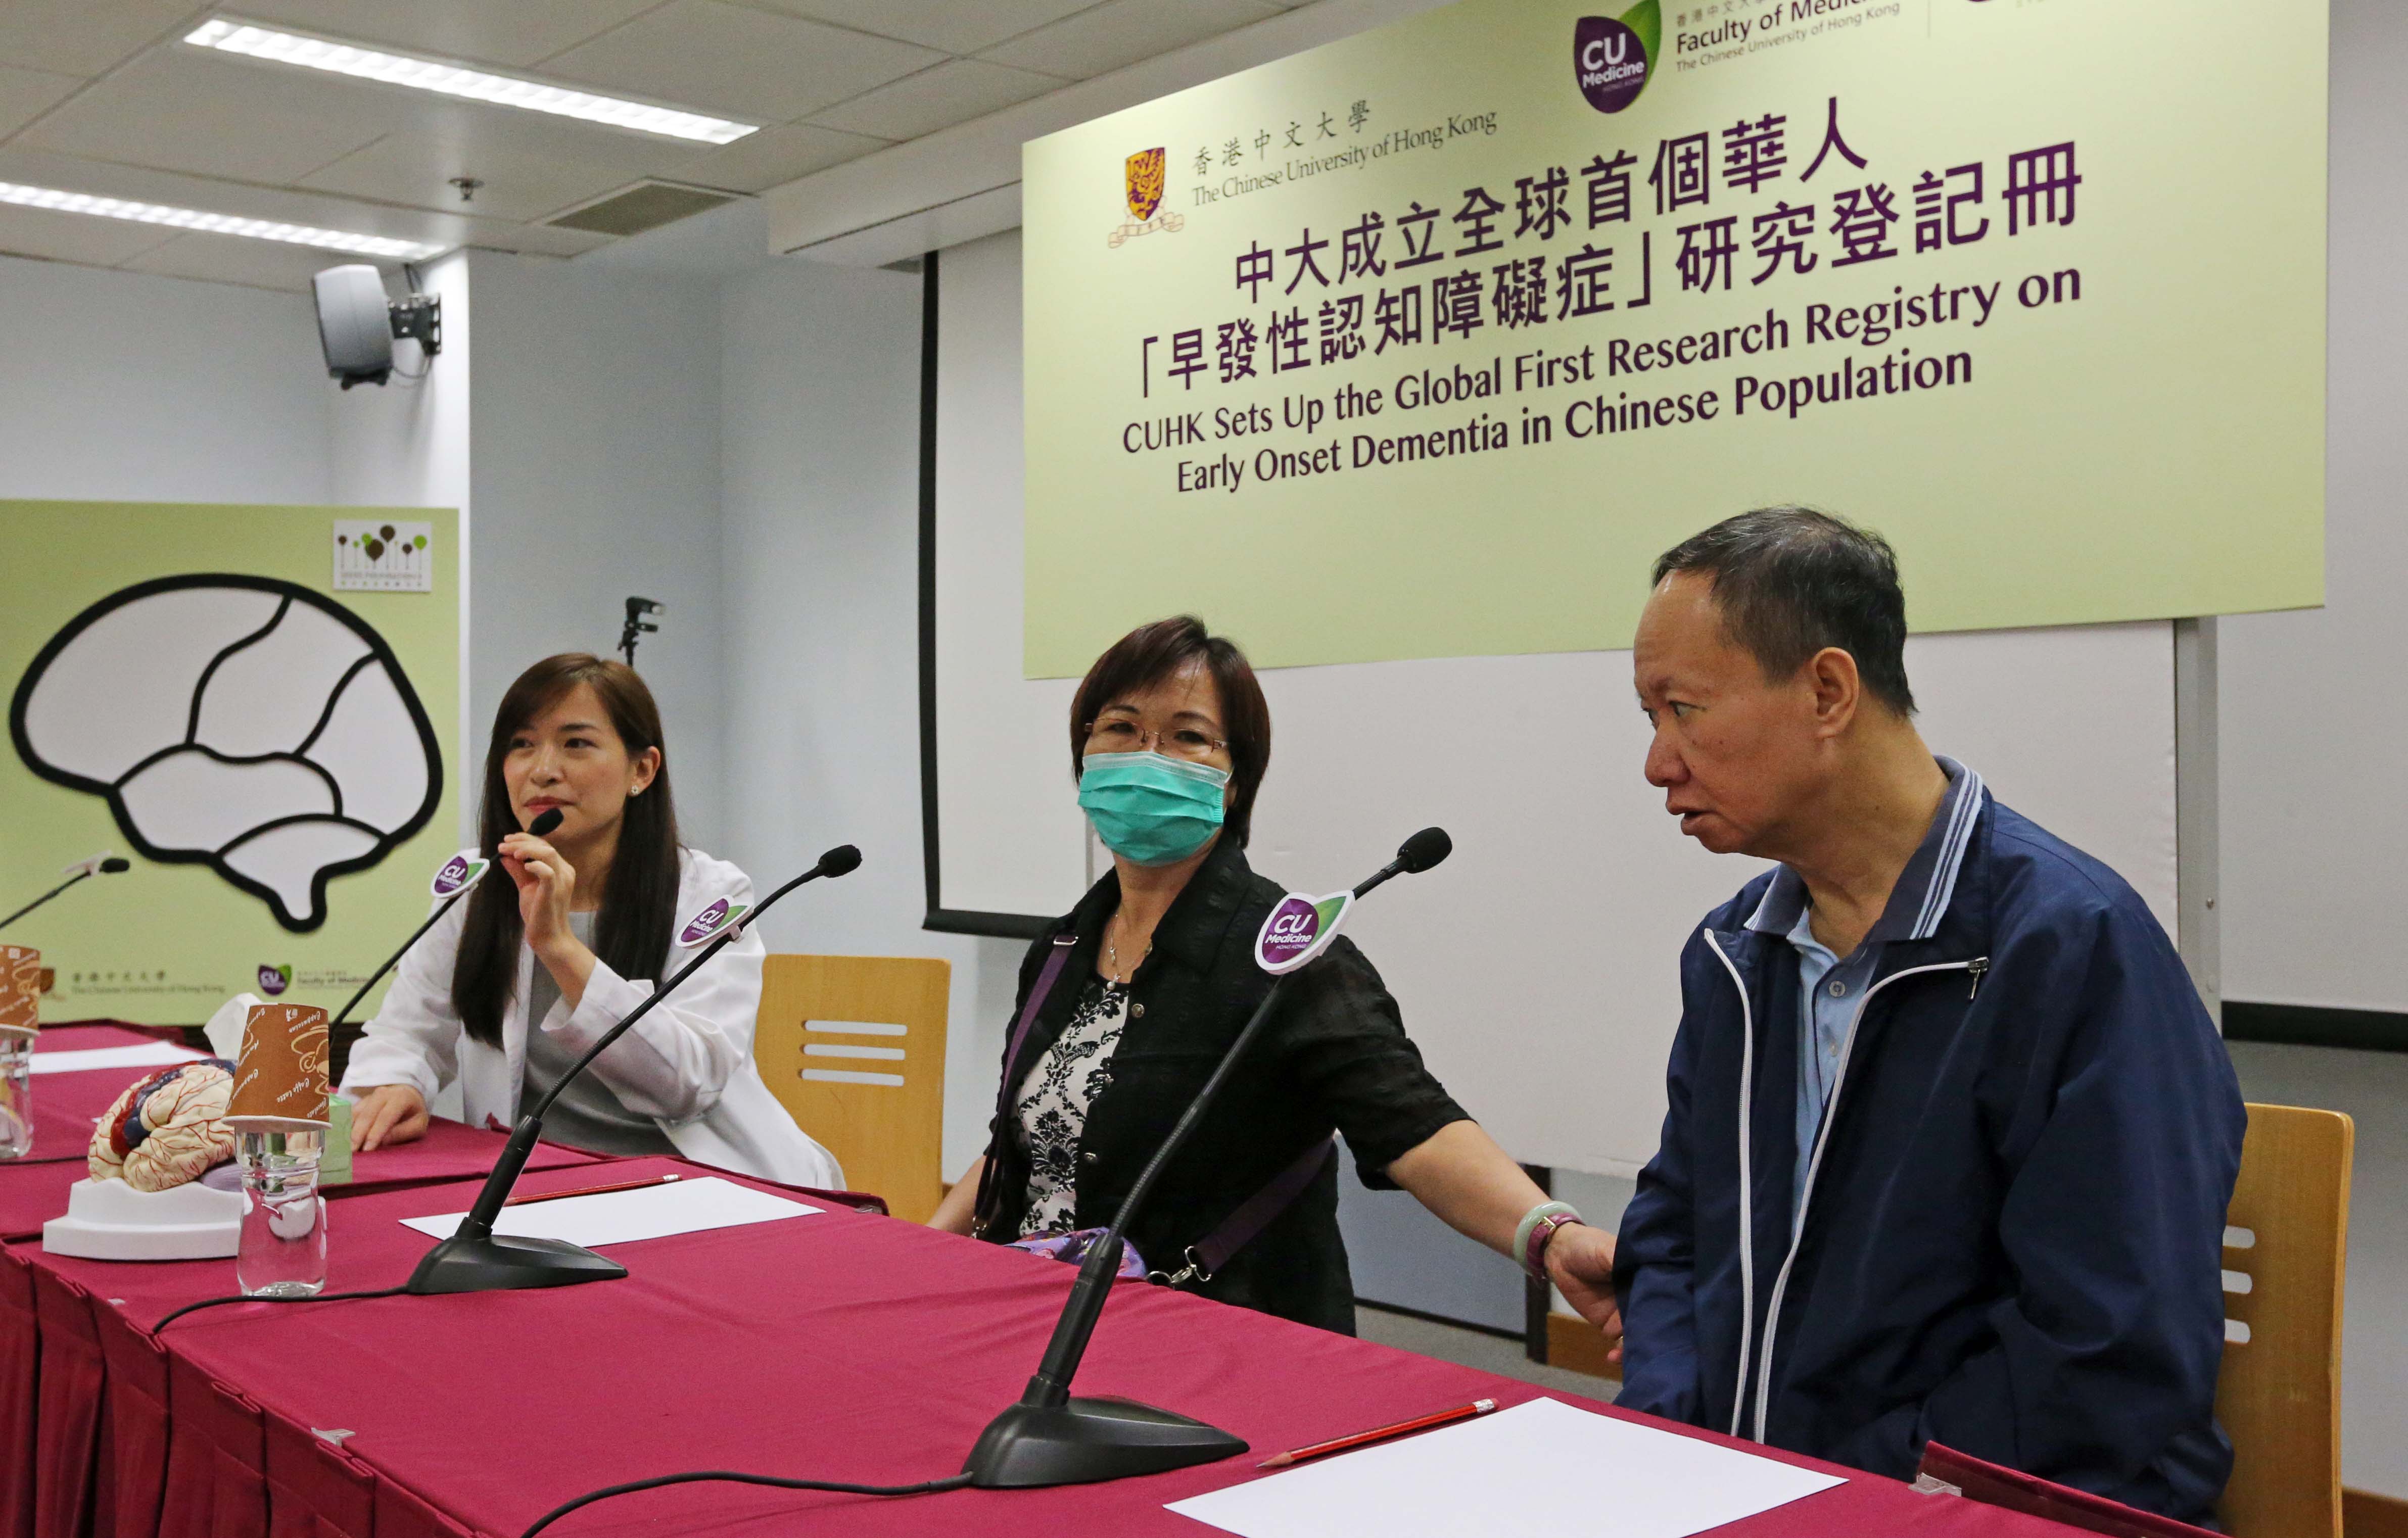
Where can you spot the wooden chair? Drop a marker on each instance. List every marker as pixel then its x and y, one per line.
pixel 853 1047
pixel 2279 1397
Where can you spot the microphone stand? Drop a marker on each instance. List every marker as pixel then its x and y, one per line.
pixel 1052 1438
pixel 81 875
pixel 477 1260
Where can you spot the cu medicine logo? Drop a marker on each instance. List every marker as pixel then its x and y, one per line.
pixel 1612 58
pixel 1146 171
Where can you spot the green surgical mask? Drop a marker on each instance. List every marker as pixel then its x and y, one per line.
pixel 1149 808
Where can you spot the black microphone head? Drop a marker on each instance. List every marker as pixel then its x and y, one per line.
pixel 840 861
pixel 1423 850
pixel 115 865
pixel 545 821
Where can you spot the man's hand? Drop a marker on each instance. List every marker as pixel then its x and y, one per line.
pixel 390 1113
pixel 1580 1262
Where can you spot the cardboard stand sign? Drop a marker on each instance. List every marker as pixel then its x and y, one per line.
pixel 280 1083
pixel 1299 929
pixel 20 990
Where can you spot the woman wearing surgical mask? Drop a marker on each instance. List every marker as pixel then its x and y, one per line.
pixel 1128 1004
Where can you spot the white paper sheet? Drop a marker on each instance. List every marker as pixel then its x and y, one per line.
pixel 1543 1467
pixel 618 1217
pixel 154 1054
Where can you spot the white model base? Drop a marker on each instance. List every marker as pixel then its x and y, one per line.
pixel 110 1220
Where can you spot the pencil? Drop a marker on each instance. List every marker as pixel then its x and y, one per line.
pixel 590 1190
pixel 1364 1439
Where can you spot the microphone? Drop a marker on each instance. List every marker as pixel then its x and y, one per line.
pixel 456 881
pixel 1049 1438
pixel 103 864
pixel 474 1259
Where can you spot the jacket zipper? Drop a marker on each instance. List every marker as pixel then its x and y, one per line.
pixel 1976 967
pixel 1746 1182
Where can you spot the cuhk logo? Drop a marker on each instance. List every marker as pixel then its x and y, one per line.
pixel 1612 58
pixel 1145 176
pixel 1299 929
pixel 274 980
pixel 711 921
pixel 458 872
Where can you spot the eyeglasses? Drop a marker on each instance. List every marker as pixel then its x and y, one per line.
pixel 1120 734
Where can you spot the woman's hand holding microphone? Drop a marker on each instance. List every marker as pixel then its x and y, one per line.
pixel 546 885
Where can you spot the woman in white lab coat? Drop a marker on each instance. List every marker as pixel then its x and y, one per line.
pixel 570 933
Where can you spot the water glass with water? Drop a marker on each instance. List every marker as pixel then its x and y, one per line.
pixel 283 1249
pixel 15 1094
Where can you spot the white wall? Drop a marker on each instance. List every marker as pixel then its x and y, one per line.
pixel 820 482
pixel 119 386
pixel 406 445
pixel 594 475
pixel 2314 736
pixel 2315 830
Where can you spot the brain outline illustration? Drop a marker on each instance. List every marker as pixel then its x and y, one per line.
pixel 314 793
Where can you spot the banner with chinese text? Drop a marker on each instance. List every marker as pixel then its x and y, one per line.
pixel 1425 342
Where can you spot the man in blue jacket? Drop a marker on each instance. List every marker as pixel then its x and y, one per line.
pixel 1950 1138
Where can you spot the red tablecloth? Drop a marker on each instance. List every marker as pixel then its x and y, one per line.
pixel 842 1346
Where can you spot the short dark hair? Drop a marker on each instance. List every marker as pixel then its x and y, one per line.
pixel 1790 581
pixel 1151 654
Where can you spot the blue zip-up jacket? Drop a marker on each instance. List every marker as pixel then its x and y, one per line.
pixel 2011 1242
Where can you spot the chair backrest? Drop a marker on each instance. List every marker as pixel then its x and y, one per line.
pixel 853 1047
pixel 2279 1397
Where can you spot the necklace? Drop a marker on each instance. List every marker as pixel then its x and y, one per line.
pixel 1112 956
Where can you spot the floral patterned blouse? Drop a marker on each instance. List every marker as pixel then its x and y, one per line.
pixel 1052 1108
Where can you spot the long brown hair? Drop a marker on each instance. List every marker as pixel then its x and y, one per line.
pixel 1151 654
pixel 631 935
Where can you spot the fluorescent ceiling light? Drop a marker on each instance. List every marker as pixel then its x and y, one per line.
pixel 231 35
pixel 192 219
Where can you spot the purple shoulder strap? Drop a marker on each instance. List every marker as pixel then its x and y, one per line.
pixel 1255 1213
pixel 1046 977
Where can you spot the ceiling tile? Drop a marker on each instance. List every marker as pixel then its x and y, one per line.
pixel 954 92
pixel 701 53
pixel 417 169
pixel 186 112
pixel 1122 32
pixel 232 258
pixel 84 36
pixel 538 240
pixel 28 94
pixel 515 34
pixel 775 156
pixel 948 24
pixel 75 238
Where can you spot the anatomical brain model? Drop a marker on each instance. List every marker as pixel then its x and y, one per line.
pixel 166 1129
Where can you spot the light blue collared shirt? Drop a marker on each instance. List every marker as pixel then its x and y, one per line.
pixel 1832 990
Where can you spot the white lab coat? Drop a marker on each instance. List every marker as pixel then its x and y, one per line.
pixel 688 1064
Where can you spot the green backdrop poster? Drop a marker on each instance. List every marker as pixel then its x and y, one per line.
pixel 1425 342
pixel 253 705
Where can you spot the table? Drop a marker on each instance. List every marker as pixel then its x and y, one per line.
pixel 845 1345
pixel 58 1452
pixel 35 1191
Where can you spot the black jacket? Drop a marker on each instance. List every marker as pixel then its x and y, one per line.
pixel 1334 1054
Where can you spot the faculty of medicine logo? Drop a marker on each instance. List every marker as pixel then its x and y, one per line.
pixel 1145 173
pixel 275 979
pixel 1612 58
